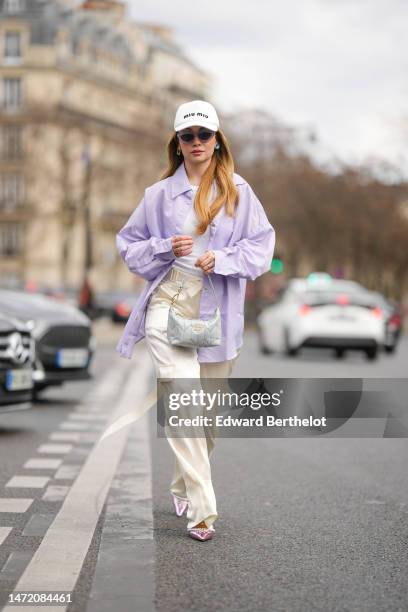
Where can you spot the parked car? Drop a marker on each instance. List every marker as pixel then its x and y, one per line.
pixel 116 304
pixel 322 312
pixel 16 365
pixel 64 344
pixel 77 297
pixel 63 294
pixel 393 321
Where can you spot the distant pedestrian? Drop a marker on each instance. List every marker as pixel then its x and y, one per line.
pixel 86 301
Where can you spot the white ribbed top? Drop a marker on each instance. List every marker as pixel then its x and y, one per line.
pixel 200 243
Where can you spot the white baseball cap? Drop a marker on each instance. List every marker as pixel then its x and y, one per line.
pixel 197 112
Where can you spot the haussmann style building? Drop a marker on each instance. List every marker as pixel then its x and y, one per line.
pixel 87 97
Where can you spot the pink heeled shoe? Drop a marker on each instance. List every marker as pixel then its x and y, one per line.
pixel 201 533
pixel 180 505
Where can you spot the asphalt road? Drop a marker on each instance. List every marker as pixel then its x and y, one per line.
pixel 304 524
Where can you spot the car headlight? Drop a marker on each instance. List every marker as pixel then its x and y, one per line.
pixel 30 323
pixel 39 328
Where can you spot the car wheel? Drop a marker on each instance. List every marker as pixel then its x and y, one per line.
pixel 291 351
pixel 372 353
pixel 390 349
pixel 37 391
pixel 262 347
pixel 339 353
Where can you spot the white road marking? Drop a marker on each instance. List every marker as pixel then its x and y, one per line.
pixel 62 436
pixel 86 416
pixel 31 482
pixel 54 448
pixel 55 493
pixel 4 531
pixel 15 504
pixel 70 425
pixel 70 471
pixel 57 562
pixel 42 464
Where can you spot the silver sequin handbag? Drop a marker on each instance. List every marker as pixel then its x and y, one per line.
pixel 193 332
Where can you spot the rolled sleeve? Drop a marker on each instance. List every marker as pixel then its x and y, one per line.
pixel 163 245
pixel 143 253
pixel 252 255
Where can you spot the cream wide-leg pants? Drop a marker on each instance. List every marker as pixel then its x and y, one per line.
pixel 192 472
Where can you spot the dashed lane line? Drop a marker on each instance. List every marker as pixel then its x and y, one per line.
pixel 42 464
pixel 54 449
pixel 69 425
pixel 64 436
pixel 85 416
pixel 28 482
pixel 15 504
pixel 4 531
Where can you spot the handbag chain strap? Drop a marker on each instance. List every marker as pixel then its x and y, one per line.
pixel 175 296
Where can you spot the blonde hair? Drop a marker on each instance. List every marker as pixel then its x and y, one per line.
pixel 220 170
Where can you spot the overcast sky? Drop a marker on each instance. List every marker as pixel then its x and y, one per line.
pixel 340 66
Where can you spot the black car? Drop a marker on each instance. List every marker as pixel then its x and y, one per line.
pixel 116 304
pixel 64 345
pixel 16 365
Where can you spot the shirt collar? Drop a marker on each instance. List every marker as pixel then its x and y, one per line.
pixel 181 184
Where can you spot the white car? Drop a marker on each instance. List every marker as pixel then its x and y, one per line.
pixel 322 312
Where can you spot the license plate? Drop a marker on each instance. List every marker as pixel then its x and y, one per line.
pixel 72 358
pixel 342 318
pixel 19 379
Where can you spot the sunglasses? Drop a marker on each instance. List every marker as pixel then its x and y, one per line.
pixel 203 136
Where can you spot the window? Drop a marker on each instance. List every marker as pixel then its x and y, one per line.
pixel 13 6
pixel 12 46
pixel 11 191
pixel 12 93
pixel 11 239
pixel 11 142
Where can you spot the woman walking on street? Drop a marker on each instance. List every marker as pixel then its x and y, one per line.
pixel 200 219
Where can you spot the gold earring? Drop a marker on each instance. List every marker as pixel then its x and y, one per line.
pixel 178 151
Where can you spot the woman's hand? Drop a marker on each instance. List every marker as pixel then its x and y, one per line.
pixel 206 262
pixel 182 245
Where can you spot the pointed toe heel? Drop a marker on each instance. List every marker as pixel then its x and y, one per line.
pixel 180 505
pixel 201 533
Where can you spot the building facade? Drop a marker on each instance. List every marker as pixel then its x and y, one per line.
pixel 87 102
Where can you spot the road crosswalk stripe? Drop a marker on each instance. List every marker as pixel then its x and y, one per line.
pixel 30 482
pixel 54 448
pixel 86 416
pixel 4 531
pixel 64 436
pixel 15 504
pixel 42 464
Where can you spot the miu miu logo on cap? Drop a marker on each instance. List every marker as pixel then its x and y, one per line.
pixel 194 114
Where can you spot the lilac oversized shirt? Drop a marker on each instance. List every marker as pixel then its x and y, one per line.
pixel 243 248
